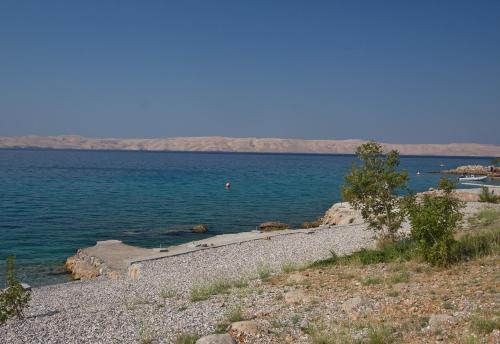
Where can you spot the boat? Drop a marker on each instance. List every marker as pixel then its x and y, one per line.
pixel 472 178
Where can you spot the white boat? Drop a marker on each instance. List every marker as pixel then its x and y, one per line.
pixel 472 178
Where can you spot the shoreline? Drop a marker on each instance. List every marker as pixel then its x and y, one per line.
pixel 114 310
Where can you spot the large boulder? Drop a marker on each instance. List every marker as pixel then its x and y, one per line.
pixel 273 226
pixel 83 266
pixel 342 214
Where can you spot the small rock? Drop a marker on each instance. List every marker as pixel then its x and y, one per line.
pixel 436 320
pixel 297 296
pixel 201 228
pixel 216 339
pixel 353 304
pixel 26 286
pixel 248 327
pixel 296 278
pixel 273 226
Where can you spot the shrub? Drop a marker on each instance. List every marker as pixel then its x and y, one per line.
pixel 478 245
pixel 373 189
pixel 488 196
pixel 434 220
pixel 14 299
pixel 485 217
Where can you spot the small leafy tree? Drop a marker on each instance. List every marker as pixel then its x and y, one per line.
pixel 14 298
pixel 495 161
pixel 434 219
pixel 373 189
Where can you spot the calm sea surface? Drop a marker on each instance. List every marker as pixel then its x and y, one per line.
pixel 53 202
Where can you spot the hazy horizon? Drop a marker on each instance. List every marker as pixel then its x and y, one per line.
pixel 403 73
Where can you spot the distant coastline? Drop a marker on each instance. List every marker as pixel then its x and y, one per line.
pixel 241 145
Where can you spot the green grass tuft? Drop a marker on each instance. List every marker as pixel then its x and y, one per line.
pixel 372 281
pixel 401 277
pixel 484 326
pixel 264 272
pixel 204 291
pixel 186 338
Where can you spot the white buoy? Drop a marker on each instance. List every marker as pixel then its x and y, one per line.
pixel 228 185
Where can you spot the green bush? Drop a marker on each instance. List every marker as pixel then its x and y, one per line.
pixel 14 299
pixel 374 189
pixel 433 221
pixel 488 196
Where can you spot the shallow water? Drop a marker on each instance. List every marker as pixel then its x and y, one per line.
pixel 53 202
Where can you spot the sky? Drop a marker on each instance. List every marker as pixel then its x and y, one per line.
pixel 393 71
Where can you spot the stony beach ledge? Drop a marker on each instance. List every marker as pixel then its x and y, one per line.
pixel 118 308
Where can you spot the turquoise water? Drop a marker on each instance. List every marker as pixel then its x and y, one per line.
pixel 53 202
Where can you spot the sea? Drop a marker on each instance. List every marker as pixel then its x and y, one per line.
pixel 53 202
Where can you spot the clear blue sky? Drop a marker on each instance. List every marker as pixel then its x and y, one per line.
pixel 395 71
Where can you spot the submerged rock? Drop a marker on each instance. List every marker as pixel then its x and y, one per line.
pixel 273 226
pixel 201 228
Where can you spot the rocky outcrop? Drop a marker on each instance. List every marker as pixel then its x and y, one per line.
pixel 491 171
pixel 84 266
pixel 342 214
pixel 272 226
pixel 110 258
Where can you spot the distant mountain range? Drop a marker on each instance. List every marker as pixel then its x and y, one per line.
pixel 229 144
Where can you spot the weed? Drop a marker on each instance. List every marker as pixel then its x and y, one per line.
pixel 448 305
pixel 403 250
pixel 145 336
pixel 484 326
pixel 232 315
pixel 204 291
pixel 264 272
pixel 167 293
pixel 289 267
pixel 186 338
pixel 401 277
pixel 380 335
pixel 485 217
pixel 488 196
pixel 372 281
pixel 477 245
pixel 393 293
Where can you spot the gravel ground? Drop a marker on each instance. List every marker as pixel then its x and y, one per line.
pixel 128 311
pixel 109 311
